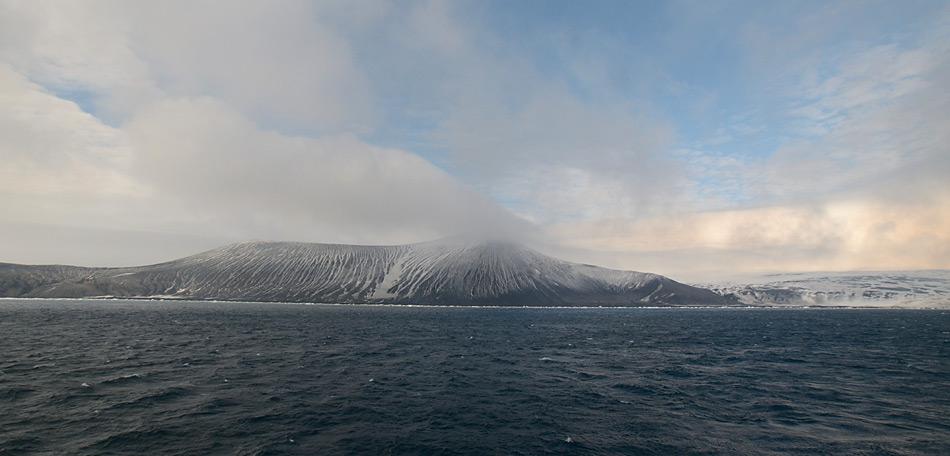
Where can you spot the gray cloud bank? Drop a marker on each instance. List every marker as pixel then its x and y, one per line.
pixel 185 151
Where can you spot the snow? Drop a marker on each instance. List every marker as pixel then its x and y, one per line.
pixel 439 272
pixel 857 288
pixel 382 290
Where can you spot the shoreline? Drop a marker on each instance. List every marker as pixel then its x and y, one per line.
pixel 699 307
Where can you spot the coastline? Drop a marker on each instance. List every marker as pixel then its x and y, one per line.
pixel 368 304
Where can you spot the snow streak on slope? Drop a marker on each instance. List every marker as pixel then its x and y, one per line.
pixel 447 272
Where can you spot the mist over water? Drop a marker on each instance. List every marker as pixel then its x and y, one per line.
pixel 94 377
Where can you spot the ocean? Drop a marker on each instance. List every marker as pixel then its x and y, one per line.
pixel 158 377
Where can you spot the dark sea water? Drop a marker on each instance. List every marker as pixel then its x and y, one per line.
pixel 86 377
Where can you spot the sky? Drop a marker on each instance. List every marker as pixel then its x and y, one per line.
pixel 697 139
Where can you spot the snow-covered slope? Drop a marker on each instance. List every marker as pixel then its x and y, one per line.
pixel 885 289
pixel 449 272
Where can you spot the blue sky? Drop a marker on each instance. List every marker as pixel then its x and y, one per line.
pixel 724 76
pixel 667 136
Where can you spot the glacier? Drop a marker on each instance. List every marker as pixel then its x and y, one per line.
pixel 918 289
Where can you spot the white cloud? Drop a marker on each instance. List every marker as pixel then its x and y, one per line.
pixel 882 113
pixel 77 46
pixel 196 167
pixel 195 95
pixel 838 235
pixel 866 189
pixel 50 147
pixel 277 63
pixel 218 164
pixel 547 148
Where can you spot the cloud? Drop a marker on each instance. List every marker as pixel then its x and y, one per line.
pixel 219 164
pixel 51 148
pixel 862 186
pixel 838 235
pixel 277 63
pixel 195 167
pixel 77 48
pixel 187 133
pixel 561 157
pixel 197 123
pixel 881 114
pixel 549 146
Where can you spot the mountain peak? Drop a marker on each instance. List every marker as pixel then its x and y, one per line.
pixel 451 271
